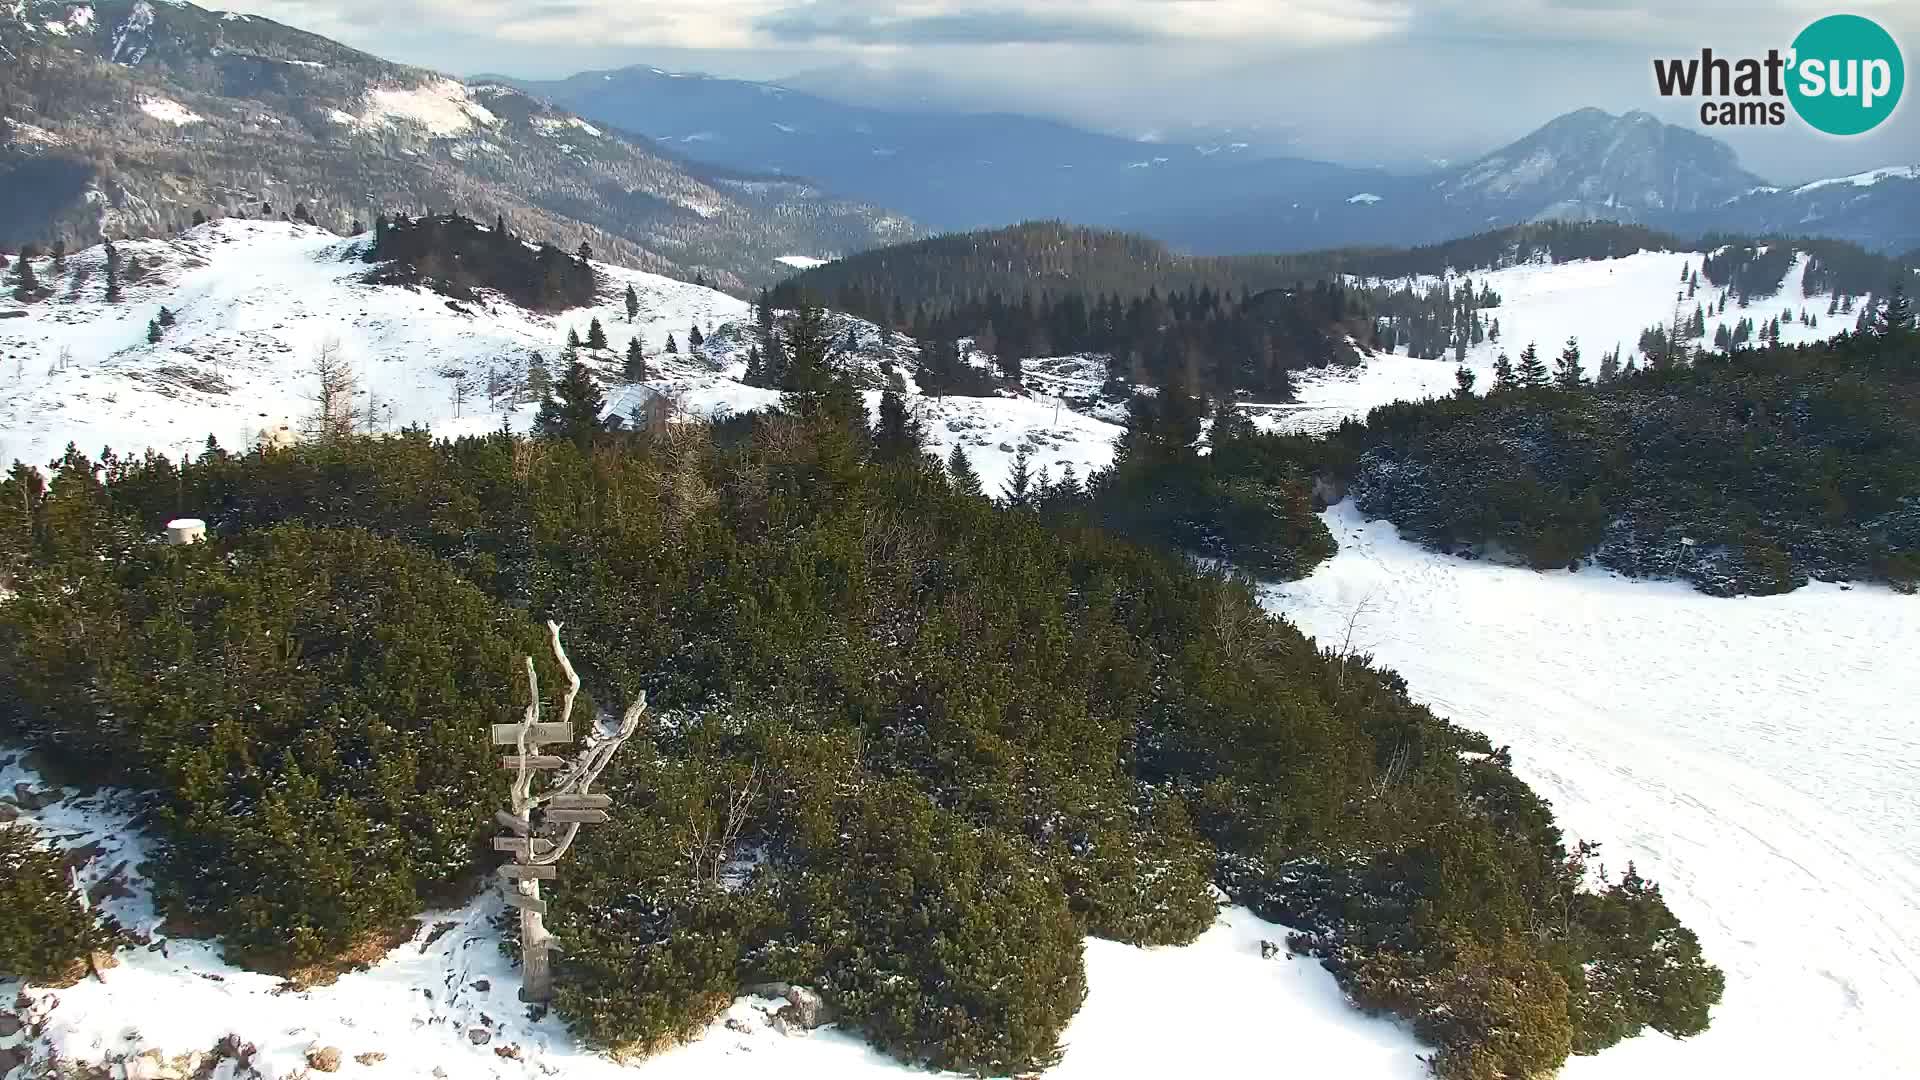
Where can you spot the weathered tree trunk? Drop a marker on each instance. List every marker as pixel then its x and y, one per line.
pixel 544 824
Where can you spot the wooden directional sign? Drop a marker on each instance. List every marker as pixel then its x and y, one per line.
pixel 583 817
pixel 522 846
pixel 579 802
pixel 533 761
pixel 509 734
pixel 522 872
pixel 518 899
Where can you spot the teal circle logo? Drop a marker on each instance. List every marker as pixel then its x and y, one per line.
pixel 1847 75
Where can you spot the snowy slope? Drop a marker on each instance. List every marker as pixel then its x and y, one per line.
pixel 1755 756
pixel 254 301
pixel 444 1003
pixel 1602 303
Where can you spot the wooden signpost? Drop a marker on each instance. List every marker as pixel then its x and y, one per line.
pixel 543 824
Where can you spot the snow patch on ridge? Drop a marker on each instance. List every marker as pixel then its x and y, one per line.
pixel 444 108
pixel 171 112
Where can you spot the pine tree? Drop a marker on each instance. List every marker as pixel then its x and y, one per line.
pixel 1532 372
pixel 1567 374
pixel 960 471
pixel 585 253
pixel 633 304
pixel 153 332
pixel 1493 332
pixel 672 345
pixel 1020 480
pixel 166 316
pixel 635 370
pixel 596 335
pixel 573 410
pixel 756 374
pixel 1504 377
pixel 573 338
pixel 695 338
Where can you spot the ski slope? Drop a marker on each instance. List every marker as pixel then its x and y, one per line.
pixel 1758 757
pixel 1600 303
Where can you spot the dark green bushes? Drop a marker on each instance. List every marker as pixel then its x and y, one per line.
pixel 908 746
pixel 1748 473
pixel 46 934
pixel 310 707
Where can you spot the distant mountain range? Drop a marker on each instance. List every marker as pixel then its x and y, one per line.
pixel 127 117
pixel 960 171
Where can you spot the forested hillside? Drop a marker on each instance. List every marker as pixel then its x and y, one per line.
pixel 964 734
pixel 1748 471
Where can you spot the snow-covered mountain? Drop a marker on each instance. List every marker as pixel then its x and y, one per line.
pixel 127 117
pixel 1878 209
pixel 1590 164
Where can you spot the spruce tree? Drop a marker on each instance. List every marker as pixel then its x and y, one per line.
pixel 539 378
pixel 1896 316
pixel 596 335
pixel 897 437
pixel 633 304
pixel 1610 364
pixel 695 338
pixel 960 471
pixel 1532 371
pixel 1020 480
pixel 573 338
pixel 1463 381
pixel 1503 374
pixel 1567 374
pixel 573 410
pixel 672 345
pixel 153 332
pixel 756 374
pixel 25 285
pixel 113 273
pixel 166 316
pixel 635 370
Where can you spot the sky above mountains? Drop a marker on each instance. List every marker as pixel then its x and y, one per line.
pixel 1399 82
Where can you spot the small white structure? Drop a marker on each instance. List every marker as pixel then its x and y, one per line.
pixel 186 531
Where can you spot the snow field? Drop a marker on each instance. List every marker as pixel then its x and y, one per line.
pixel 1755 756
pixel 1601 304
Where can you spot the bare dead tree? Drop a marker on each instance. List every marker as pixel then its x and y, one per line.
pixel 707 842
pixel 334 410
pixel 1344 655
pixel 544 823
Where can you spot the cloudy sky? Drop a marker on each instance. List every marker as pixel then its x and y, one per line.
pixel 1374 81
